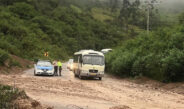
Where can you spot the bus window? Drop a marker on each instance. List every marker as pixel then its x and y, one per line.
pixel 93 59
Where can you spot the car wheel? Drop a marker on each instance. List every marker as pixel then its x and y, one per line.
pixel 75 75
pixel 81 77
pixel 100 78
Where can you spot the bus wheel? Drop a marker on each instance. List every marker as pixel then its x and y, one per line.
pixel 75 73
pixel 100 78
pixel 80 76
pixel 34 73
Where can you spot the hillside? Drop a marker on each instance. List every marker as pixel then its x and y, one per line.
pixel 30 28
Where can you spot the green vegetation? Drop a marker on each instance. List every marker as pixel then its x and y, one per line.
pixel 159 56
pixel 14 63
pixel 8 95
pixel 101 14
pixel 3 56
pixel 28 28
pixel 6 58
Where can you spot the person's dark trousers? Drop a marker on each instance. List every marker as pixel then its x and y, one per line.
pixel 55 70
pixel 60 69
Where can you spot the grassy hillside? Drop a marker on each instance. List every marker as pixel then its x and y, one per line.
pixel 101 14
pixel 28 28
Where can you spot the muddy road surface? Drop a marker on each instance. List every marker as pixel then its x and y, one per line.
pixel 68 92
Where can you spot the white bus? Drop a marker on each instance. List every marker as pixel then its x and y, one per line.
pixel 104 51
pixel 89 63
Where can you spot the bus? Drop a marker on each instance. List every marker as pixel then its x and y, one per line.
pixel 89 63
pixel 104 51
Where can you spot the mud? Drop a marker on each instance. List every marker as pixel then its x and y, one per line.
pixel 68 92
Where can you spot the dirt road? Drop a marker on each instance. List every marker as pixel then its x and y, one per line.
pixel 68 92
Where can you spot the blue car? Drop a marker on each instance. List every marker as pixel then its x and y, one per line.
pixel 43 67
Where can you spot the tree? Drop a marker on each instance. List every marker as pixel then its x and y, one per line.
pixel 10 2
pixel 24 10
pixel 135 12
pixel 181 18
pixel 154 20
pixel 125 13
pixel 114 5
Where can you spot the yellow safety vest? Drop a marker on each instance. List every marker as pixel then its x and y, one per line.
pixel 59 64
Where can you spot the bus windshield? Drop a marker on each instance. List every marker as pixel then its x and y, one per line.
pixel 93 59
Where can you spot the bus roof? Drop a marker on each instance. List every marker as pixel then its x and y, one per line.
pixel 88 52
pixel 108 49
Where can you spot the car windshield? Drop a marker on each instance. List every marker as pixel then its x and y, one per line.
pixel 93 59
pixel 42 63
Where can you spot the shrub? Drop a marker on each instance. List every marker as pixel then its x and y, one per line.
pixel 24 10
pixel 3 56
pixel 173 65
pixel 14 63
pixel 8 95
pixel 8 47
pixel 159 56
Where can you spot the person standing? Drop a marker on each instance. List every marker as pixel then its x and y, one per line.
pixel 55 68
pixel 60 67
